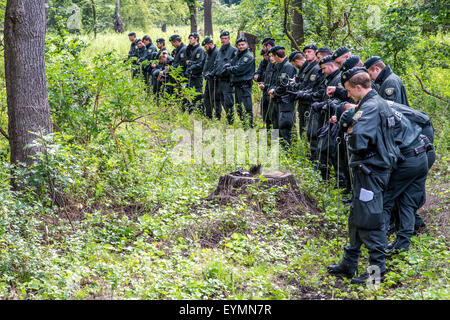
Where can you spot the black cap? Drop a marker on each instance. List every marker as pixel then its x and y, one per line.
pixel 174 37
pixel 311 46
pixel 160 40
pixel 293 54
pixel 347 75
pixel 369 62
pixel 206 41
pixel 326 50
pixel 265 40
pixel 276 48
pixel 350 63
pixel 224 33
pixel 138 40
pixel 195 35
pixel 325 60
pixel 346 119
pixel 340 51
pixel 263 52
pixel 241 39
pixel 132 34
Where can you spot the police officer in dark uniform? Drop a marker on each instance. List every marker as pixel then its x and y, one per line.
pixel 211 98
pixel 407 182
pixel 390 85
pixel 322 110
pixel 133 46
pixel 160 73
pixel 179 53
pixel 284 108
pixel 226 92
pixel 269 81
pixel 147 57
pixel 309 78
pixel 242 69
pixel 372 153
pixel 161 46
pixel 194 67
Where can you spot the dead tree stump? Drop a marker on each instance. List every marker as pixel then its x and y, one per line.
pixel 290 198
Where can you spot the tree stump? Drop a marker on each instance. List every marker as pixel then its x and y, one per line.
pixel 291 198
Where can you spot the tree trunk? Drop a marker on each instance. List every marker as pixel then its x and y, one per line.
pixel 207 7
pixel 118 24
pixel 94 17
pixel 26 85
pixel 193 17
pixel 297 22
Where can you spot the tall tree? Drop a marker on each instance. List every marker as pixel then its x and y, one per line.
pixel 297 22
pixel 26 85
pixel 118 24
pixel 94 18
pixel 208 25
pixel 192 5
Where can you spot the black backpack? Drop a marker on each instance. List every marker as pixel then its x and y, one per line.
pixel 415 116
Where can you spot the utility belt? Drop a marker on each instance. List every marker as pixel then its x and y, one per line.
pixel 413 152
pixel 428 145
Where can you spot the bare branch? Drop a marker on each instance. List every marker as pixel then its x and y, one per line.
pixel 429 93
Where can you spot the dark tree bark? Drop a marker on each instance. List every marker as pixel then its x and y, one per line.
pixel 297 22
pixel 94 17
pixel 193 15
pixel 26 85
pixel 207 7
pixel 118 24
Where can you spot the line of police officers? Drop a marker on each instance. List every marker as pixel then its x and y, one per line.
pixel 355 116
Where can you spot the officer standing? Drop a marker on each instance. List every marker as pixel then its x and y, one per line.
pixel 309 78
pixel 161 45
pixel 242 69
pixel 226 92
pixel 179 53
pixel 194 67
pixel 133 52
pixel 372 153
pixel 322 111
pixel 390 85
pixel 284 108
pixel 147 57
pixel 407 182
pixel 211 99
pixel 269 81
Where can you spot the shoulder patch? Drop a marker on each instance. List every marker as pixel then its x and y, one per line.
pixel 312 77
pixel 245 59
pixel 357 115
pixel 398 115
pixel 283 75
pixel 389 91
pixel 197 55
pixel 182 55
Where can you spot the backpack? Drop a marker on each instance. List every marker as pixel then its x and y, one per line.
pixel 415 116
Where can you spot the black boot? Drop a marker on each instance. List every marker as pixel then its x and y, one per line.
pixel 363 278
pixel 341 270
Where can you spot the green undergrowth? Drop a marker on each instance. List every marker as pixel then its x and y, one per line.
pixel 108 214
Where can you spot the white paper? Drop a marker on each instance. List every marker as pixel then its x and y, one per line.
pixel 365 195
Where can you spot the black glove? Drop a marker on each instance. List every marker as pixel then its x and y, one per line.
pixel 317 106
